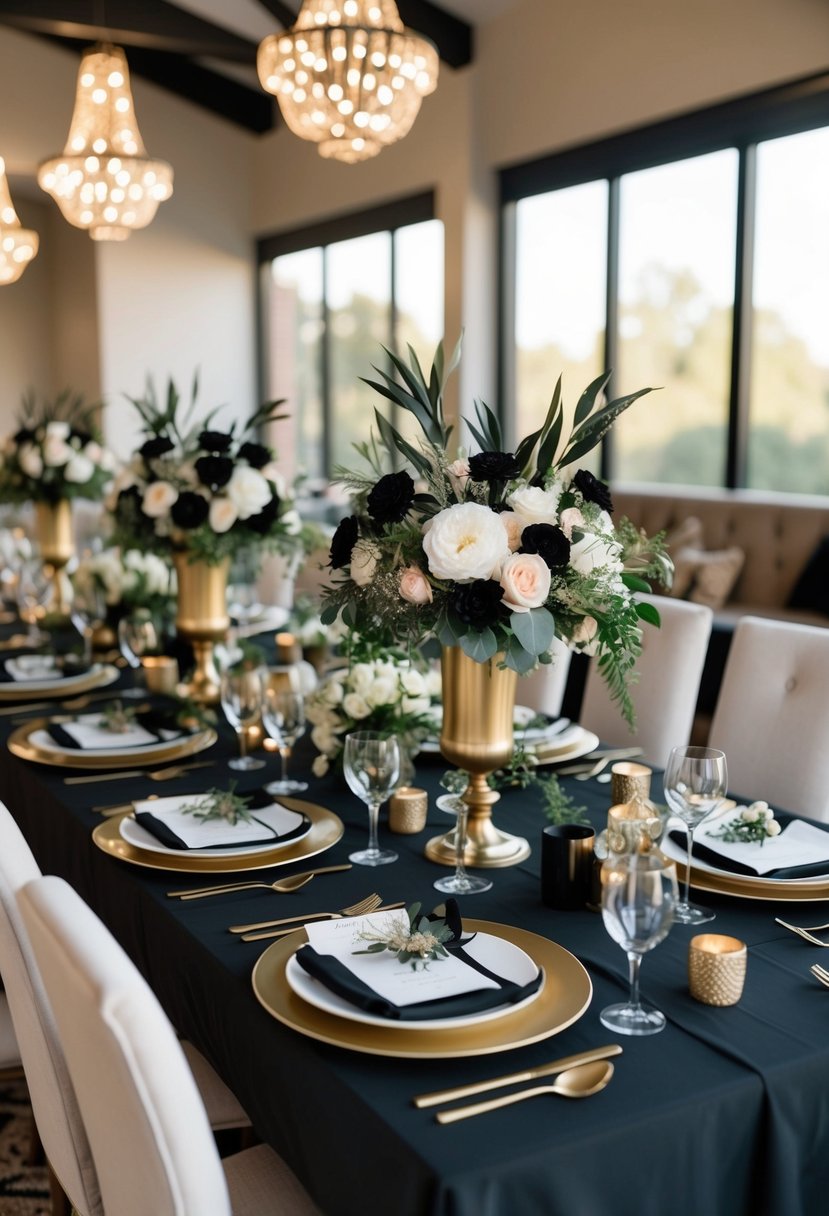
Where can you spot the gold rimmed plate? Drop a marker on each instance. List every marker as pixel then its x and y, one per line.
pixel 326 830
pixel 565 996
pixel 98 676
pixel 800 890
pixel 21 744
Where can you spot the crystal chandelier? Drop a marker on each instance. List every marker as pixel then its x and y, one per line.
pixel 348 75
pixel 104 181
pixel 17 245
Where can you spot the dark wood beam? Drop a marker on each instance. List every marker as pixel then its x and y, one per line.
pixel 154 24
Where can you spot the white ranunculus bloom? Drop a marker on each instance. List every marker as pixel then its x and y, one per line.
pixel 772 827
pixel 384 691
pixel 30 460
pixel 356 706
pixel 159 496
pixel 364 558
pixel 223 514
pixel 249 491
pixel 465 542
pixel 595 553
pixel 533 505
pixel 361 678
pixel 56 451
pixel 79 469
pixel 57 429
pixel 415 705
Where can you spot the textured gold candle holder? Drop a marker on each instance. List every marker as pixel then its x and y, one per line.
pixel 408 808
pixel 716 968
pixel 633 827
pixel 160 673
pixel 629 781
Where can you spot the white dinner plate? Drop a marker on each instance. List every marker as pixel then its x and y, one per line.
pixel 133 833
pixel 679 853
pixel 44 741
pixel 95 676
pixel 502 957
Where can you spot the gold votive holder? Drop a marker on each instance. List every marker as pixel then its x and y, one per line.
pixel 288 649
pixel 408 807
pixel 633 827
pixel 716 968
pixel 629 781
pixel 160 673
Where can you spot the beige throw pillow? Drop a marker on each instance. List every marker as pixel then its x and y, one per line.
pixel 706 578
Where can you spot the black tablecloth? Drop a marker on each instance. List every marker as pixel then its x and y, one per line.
pixel 725 1113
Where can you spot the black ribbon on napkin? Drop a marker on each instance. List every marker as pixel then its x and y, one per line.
pixel 703 852
pixel 152 720
pixel 257 800
pixel 339 980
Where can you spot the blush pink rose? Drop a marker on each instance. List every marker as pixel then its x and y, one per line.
pixel 525 578
pixel 514 526
pixel 414 586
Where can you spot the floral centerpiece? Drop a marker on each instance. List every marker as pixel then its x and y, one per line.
pixel 55 454
pixel 125 580
pixel 498 552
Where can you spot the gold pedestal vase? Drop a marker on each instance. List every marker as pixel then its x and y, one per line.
pixel 478 704
pixel 202 620
pixel 53 525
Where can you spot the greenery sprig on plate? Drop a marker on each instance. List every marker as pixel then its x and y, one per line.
pixel 220 804
pixel 415 939
pixel 118 718
pixel 749 825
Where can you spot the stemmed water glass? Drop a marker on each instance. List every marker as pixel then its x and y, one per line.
pixel 34 591
pixel 138 635
pixel 695 783
pixel 459 883
pixel 638 899
pixel 283 713
pixel 371 763
pixel 243 697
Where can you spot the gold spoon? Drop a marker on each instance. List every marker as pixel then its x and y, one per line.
pixel 579 1082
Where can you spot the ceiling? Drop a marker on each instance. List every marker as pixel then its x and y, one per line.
pixel 205 50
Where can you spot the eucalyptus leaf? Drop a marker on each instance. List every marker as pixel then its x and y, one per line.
pixel 535 629
pixel 480 646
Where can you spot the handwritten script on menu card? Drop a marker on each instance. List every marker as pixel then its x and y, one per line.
pixel 395 981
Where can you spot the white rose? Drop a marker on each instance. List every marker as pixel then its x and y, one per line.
pixel 248 490
pixel 159 496
pixel 364 558
pixel 383 691
pixel 465 542
pixel 414 586
pixel 319 766
pixel 361 678
pixel 571 518
pixel 57 429
pixel 413 683
pixel 772 827
pixel 30 460
pixel 223 514
pixel 434 682
pixel 525 578
pixel 292 522
pixel 356 706
pixel 536 506
pixel 595 552
pixel 332 692
pixel 415 705
pixel 79 469
pixel 56 451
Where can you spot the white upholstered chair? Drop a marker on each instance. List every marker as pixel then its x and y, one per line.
pixel 772 715
pixel 665 696
pixel 543 690
pixel 9 1051
pixel 150 1137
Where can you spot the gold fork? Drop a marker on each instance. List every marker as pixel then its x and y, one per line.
pixel 158 774
pixel 820 974
pixel 804 933
pixel 302 917
pixel 357 910
pixel 75 703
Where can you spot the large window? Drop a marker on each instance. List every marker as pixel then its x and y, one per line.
pixel 692 256
pixel 332 297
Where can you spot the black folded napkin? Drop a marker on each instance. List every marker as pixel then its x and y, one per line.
pixel 703 853
pixel 257 800
pixel 339 980
pixel 154 721
pixel 66 665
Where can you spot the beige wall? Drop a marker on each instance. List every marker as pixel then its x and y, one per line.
pixel 26 359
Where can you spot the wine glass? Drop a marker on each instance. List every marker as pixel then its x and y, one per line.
pixel 695 783
pixel 638 899
pixel 138 635
pixel 243 696
pixel 371 762
pixel 34 592
pixel 459 883
pixel 283 713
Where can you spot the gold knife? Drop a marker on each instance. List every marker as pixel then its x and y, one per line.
pixel 259 937
pixel 515 1078
pixel 132 772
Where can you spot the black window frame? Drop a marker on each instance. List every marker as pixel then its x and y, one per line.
pixel 741 124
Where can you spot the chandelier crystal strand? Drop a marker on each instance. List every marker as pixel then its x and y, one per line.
pixel 348 75
pixel 17 245
pixel 104 181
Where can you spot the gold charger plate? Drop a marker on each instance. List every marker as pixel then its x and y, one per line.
pixel 731 884
pixel 20 744
pixel 98 676
pixel 326 829
pixel 564 997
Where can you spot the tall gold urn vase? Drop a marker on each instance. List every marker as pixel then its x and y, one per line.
pixel 478 704
pixel 202 620
pixel 56 540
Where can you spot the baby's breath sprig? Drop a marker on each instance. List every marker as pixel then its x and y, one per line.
pixel 117 718
pixel 220 804
pixel 753 825
pixel 415 939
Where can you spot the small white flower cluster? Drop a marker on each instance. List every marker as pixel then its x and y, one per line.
pixel 375 694
pixel 54 460
pixel 760 813
pixel 749 824
pixel 131 577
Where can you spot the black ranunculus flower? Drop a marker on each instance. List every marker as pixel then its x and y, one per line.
pixel 25 435
pixel 389 500
pixel 256 454
pixel 215 441
pixel 262 522
pixel 189 510
pixel 548 541
pixel 159 445
pixel 478 603
pixel 343 542
pixel 214 471
pixel 593 490
pixel 493 466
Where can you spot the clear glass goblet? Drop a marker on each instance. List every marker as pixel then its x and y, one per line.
pixel 695 784
pixel 638 898
pixel 459 883
pixel 243 696
pixel 283 713
pixel 34 591
pixel 138 635
pixel 371 763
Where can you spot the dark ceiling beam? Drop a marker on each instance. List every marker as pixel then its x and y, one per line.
pixel 284 13
pixel 252 109
pixel 154 24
